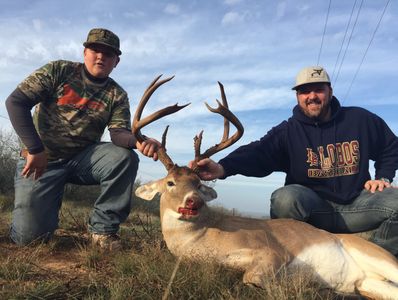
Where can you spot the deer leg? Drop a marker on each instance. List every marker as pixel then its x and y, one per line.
pixel 261 269
pixel 378 289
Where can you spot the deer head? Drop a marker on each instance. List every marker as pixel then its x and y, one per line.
pixel 181 190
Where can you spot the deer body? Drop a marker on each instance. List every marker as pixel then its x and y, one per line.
pixel 259 248
pixel 346 263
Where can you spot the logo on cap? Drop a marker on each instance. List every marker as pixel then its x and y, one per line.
pixel 317 71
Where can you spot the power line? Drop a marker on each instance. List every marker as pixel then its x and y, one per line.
pixel 366 51
pixel 342 43
pixel 324 31
pixel 4 117
pixel 348 43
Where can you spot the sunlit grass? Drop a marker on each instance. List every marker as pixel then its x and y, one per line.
pixel 143 269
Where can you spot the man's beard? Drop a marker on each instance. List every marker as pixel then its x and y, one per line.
pixel 322 113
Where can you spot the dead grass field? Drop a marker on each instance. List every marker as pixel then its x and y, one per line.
pixel 69 267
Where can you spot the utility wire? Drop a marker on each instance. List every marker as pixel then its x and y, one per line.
pixel 348 43
pixel 345 35
pixel 324 31
pixel 4 117
pixel 366 51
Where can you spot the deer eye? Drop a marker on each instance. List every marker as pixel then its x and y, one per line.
pixel 170 183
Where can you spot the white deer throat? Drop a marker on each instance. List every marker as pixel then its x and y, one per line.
pixel 180 235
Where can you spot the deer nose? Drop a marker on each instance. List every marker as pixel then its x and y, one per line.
pixel 193 203
pixel 190 203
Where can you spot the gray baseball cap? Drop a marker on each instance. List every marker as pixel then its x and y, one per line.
pixel 312 74
pixel 104 37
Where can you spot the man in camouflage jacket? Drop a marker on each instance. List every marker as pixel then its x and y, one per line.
pixel 61 143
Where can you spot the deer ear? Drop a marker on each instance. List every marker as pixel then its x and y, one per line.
pixel 147 191
pixel 208 193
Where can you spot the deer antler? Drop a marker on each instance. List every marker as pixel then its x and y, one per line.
pixel 226 141
pixel 138 123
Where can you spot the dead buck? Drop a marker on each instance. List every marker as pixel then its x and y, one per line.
pixel 343 262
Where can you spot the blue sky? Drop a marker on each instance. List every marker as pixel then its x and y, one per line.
pixel 255 48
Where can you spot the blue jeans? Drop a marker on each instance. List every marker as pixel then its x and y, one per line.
pixel 37 202
pixel 367 212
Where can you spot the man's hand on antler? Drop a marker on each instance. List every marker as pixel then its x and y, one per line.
pixel 149 148
pixel 208 169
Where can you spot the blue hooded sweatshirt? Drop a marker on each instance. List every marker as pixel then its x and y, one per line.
pixel 331 158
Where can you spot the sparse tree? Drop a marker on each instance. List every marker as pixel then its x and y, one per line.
pixel 9 149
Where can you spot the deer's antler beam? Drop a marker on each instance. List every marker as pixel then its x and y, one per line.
pixel 138 124
pixel 226 141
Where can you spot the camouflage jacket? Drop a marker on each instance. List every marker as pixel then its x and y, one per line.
pixel 72 111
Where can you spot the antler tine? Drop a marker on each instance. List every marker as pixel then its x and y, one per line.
pixel 136 127
pixel 226 141
pixel 164 137
pixel 138 123
pixel 197 141
pixel 225 103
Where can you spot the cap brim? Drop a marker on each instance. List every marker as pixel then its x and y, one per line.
pixel 302 84
pixel 117 51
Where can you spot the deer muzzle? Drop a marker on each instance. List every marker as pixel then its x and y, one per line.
pixel 192 205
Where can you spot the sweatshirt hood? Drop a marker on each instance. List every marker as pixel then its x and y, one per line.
pixel 301 117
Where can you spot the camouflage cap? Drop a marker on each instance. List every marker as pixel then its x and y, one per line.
pixel 103 37
pixel 313 74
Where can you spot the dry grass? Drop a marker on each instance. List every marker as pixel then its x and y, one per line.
pixel 69 267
